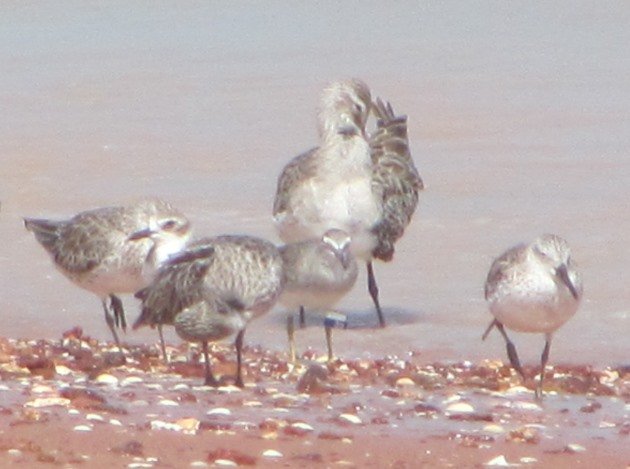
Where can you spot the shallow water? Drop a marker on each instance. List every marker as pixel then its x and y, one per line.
pixel 519 121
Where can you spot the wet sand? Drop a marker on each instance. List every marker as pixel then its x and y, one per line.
pixel 518 118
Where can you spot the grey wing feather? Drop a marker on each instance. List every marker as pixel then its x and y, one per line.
pixel 78 245
pixel 177 285
pixel 499 270
pixel 298 168
pixel 395 178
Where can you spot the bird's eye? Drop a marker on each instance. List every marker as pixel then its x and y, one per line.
pixel 169 225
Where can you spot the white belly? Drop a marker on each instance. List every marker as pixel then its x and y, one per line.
pixel 103 283
pixel 322 204
pixel 541 311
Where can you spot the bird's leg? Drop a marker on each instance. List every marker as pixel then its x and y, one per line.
pixel 210 379
pixel 331 320
pixel 162 344
pixel 302 317
pixel 373 289
pixel 109 319
pixel 119 312
pixel 490 327
pixel 239 357
pixel 511 350
pixel 543 363
pixel 291 337
pixel 328 330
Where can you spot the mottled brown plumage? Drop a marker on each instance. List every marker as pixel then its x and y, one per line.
pixel 364 185
pixel 395 179
pixel 218 284
pixel 94 249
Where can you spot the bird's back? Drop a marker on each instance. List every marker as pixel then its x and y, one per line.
pixel 247 270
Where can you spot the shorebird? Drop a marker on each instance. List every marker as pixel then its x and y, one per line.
pixel 212 289
pixel 364 185
pixel 94 250
pixel 318 273
pixel 533 288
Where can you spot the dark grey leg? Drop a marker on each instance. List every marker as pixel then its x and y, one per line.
pixel 210 379
pixel 291 337
pixel 543 363
pixel 119 312
pixel 490 327
pixel 511 350
pixel 373 289
pixel 239 357
pixel 109 319
pixel 162 344
pixel 328 330
pixel 302 317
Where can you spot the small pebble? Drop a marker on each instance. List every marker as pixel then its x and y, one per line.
pixel 252 404
pixel 229 389
pixel 106 378
pixel 351 418
pixel 518 390
pixel 168 402
pixel 48 402
pixel 14 453
pixel 140 403
pixel 160 425
pixel 460 408
pixel 522 405
pixel 575 448
pixel 63 370
pixel 302 426
pixel 129 380
pixel 498 461
pixel 225 463
pixel 95 417
pixel 199 464
pixel 41 389
pixel 219 411
pixel 190 426
pixel 82 428
pixel 494 428
pixel 272 453
pixel 403 382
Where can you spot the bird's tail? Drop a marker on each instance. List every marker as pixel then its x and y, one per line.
pixel 46 231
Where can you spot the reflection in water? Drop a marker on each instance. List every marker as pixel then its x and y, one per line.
pixel 518 122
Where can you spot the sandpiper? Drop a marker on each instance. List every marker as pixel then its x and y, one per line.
pixel 318 272
pixel 366 186
pixel 94 250
pixel 533 288
pixel 212 289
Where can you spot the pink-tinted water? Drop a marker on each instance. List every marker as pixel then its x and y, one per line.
pixel 519 120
